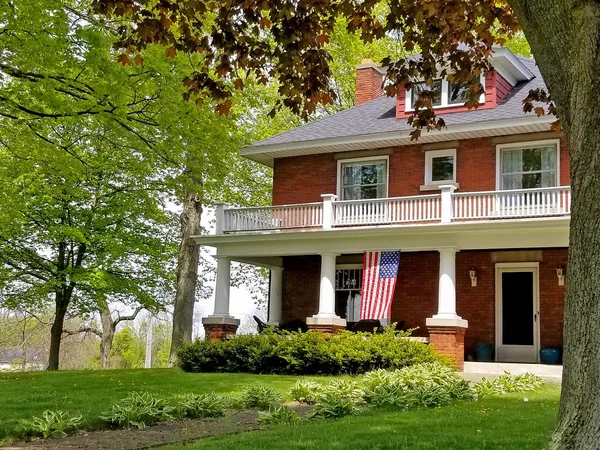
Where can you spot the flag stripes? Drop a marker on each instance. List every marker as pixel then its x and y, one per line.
pixel 380 271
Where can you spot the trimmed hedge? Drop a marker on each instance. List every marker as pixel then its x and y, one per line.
pixel 309 353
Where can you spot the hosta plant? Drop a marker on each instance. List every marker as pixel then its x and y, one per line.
pixel 278 415
pixel 344 389
pixel 333 407
pixel 306 391
pixel 203 405
pixel 137 410
pixel 54 423
pixel 261 397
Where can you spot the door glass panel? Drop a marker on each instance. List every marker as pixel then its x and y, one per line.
pixel 517 308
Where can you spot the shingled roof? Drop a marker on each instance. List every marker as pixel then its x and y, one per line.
pixel 378 117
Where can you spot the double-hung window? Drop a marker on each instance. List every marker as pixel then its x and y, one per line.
pixel 528 166
pixel 363 179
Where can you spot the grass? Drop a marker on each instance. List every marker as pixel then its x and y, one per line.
pixel 506 422
pixel 24 395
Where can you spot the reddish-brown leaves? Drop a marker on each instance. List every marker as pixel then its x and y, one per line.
pixel 124 60
pixel 285 39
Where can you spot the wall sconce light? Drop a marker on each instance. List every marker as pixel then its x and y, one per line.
pixel 473 275
pixel 561 275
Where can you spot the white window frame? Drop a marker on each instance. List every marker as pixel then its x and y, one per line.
pixel 521 145
pixel 429 155
pixel 445 95
pixel 385 158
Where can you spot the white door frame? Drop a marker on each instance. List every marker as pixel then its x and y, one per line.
pixel 517 353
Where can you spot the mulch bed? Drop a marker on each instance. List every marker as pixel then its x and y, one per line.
pixel 163 433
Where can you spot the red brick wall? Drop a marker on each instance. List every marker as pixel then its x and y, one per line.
pixel 552 297
pixel 368 84
pixel 300 290
pixel 416 293
pixel 303 179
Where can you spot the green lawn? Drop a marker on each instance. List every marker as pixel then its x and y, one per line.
pixel 500 423
pixel 23 395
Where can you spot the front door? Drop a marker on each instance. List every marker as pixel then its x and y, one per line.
pixel 517 312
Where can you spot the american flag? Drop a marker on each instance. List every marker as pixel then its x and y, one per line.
pixel 380 270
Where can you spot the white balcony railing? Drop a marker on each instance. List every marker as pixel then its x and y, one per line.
pixel 515 203
pixel 422 208
pixel 446 207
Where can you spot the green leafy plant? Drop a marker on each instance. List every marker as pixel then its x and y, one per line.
pixel 307 353
pixel 278 415
pixel 261 397
pixel 344 389
pixel 306 391
pixel 204 405
pixel 137 410
pixel 333 407
pixel 508 383
pixel 54 423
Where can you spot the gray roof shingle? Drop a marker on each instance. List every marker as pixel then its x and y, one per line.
pixel 379 116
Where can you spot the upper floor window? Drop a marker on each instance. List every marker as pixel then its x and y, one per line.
pixel 528 165
pixel 362 178
pixel 445 93
pixel 440 167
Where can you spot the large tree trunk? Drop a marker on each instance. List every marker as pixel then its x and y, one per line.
pixel 565 40
pixel 106 340
pixel 62 302
pixel 187 273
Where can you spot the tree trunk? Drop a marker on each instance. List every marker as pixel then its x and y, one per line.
pixel 565 40
pixel 106 340
pixel 187 274
pixel 62 302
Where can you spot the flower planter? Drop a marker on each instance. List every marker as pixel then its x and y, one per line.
pixel 484 352
pixel 550 355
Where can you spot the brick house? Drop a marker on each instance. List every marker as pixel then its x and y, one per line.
pixel 480 212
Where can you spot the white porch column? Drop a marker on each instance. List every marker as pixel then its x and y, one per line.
pixel 326 315
pixel 275 296
pixel 447 291
pixel 447 285
pixel 221 315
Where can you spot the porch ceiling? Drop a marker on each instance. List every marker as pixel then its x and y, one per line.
pixel 505 234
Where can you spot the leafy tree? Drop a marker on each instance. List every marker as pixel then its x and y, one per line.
pixel 286 39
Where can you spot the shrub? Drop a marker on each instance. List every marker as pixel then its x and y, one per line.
pixel 306 391
pixel 203 405
pixel 54 423
pixel 261 397
pixel 333 407
pixel 278 415
pixel 307 353
pixel 137 410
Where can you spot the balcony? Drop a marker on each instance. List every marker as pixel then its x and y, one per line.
pixel 446 207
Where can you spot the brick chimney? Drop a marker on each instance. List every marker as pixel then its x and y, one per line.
pixel 369 78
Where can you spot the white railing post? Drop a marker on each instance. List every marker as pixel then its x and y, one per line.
pixel 328 219
pixel 447 190
pixel 220 215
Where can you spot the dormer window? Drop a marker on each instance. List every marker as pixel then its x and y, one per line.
pixel 447 94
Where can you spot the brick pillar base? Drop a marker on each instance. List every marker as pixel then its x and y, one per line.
pixel 448 339
pixel 326 325
pixel 219 328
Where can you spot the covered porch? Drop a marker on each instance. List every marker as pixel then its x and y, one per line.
pixel 447 282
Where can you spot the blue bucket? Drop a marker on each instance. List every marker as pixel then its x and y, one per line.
pixel 484 352
pixel 550 355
